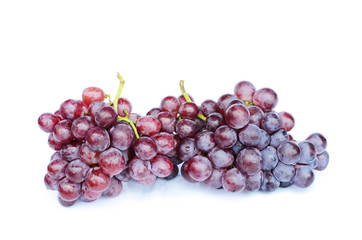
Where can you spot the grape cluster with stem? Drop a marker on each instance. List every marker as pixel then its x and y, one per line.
pixel 237 143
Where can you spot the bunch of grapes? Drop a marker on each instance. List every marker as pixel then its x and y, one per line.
pixel 237 143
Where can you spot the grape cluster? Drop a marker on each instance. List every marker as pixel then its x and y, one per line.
pixel 236 143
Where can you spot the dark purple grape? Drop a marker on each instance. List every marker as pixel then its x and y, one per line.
pixel 76 171
pixel 266 99
pixel 81 126
pixel 270 158
pixel 98 139
pixel 70 151
pixel 186 128
pixel 237 116
pixel 277 138
pixel 122 136
pixel 304 176
pixel 264 141
pixel 221 158
pixel 106 117
pixel 245 90
pixel 62 131
pixel 47 122
pixel 233 181
pixel 253 182
pixel 256 114
pixel 225 137
pixel 213 121
pixel 205 141
pixel 207 107
pixel 307 152
pixel 145 148
pixel 188 110
pixel 319 142
pixel 168 121
pixel 176 160
pixel 323 160
pixel 270 183
pixel 250 135
pixel 289 152
pixel 199 168
pixel 238 146
pixel 249 161
pixel 112 161
pixel 214 181
pixel 283 172
pixel 187 149
pixel 271 122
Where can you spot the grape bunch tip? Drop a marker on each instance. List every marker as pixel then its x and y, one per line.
pixel 236 143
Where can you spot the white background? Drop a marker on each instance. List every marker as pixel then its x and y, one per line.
pixel 309 52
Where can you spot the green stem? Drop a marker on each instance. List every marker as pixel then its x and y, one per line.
pixel 130 122
pixel 108 96
pixel 121 84
pixel 188 99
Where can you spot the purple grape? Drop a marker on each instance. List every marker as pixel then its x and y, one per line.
pixel 289 152
pixel 266 99
pixel 94 107
pixel 233 181
pixel 214 181
pixel 245 90
pixel 225 137
pixel 112 161
pixel 264 141
pixel 68 191
pixel 270 183
pixel 81 126
pixel 87 155
pixel 323 160
pixel 270 158
pixel 205 141
pixel 106 117
pixel 277 138
pixel 165 142
pixel 237 116
pixel 122 136
pixel 249 161
pixel 173 174
pixel 53 143
pixel 188 110
pixel 161 166
pixel 47 122
pixel 186 128
pixel 221 158
pixel 319 141
pixel 124 106
pixel 250 135
pixel 98 139
pixel 71 109
pixel 145 148
pixel 168 121
pixel 70 151
pixel 63 132
pixel 256 114
pixel 307 152
pixel 139 169
pixel 76 171
pixel 199 168
pixel 304 176
pixel 185 173
pixel 238 146
pixel 207 107
pixel 271 122
pixel 213 121
pixel 114 189
pixel 283 172
pixel 187 149
pixel 153 112
pixel 253 182
pixel 223 101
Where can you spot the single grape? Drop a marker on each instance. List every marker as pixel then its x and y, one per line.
pixel 233 181
pixel 69 191
pixel 237 116
pixel 71 109
pixel 266 99
pixel 185 173
pixel 98 139
pixel 221 158
pixel 249 161
pixel 70 151
pixel 287 121
pixel 278 137
pixel 170 104
pixel 289 152
pixel 76 171
pixel 63 132
pixel 122 136
pixel 271 122
pixel 47 122
pixel 161 166
pixel 97 180
pixel 304 176
pixel 214 181
pixel 213 121
pixel 55 156
pixel 223 101
pixel 145 148
pixel 114 189
pixel 94 107
pixel 188 110
pixel 205 141
pixel 253 182
pixel 270 158
pixel 81 126
pixel 319 141
pixel 307 152
pixel 270 183
pixel 187 149
pixel 283 172
pixel 207 107
pixel 51 183
pixel 245 90
pixel 92 94
pixel 225 137
pixel 148 180
pixel 323 160
pixel 199 168
pixel 256 114
pixel 56 168
pixel 264 141
pixel 112 161
pixel 168 121
pixel 139 169
pixel 53 143
pixel 165 142
pixel 250 135
pixel 186 128
pixel 124 106
pixel 105 117
pixel 88 195
pixel 148 125
pixel 59 114
pixel 87 155
pixel 153 112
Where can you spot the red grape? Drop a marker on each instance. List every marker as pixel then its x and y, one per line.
pixel 92 94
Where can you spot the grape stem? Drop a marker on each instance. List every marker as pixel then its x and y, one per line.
pixel 121 84
pixel 130 122
pixel 188 99
pixel 108 96
pixel 247 103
